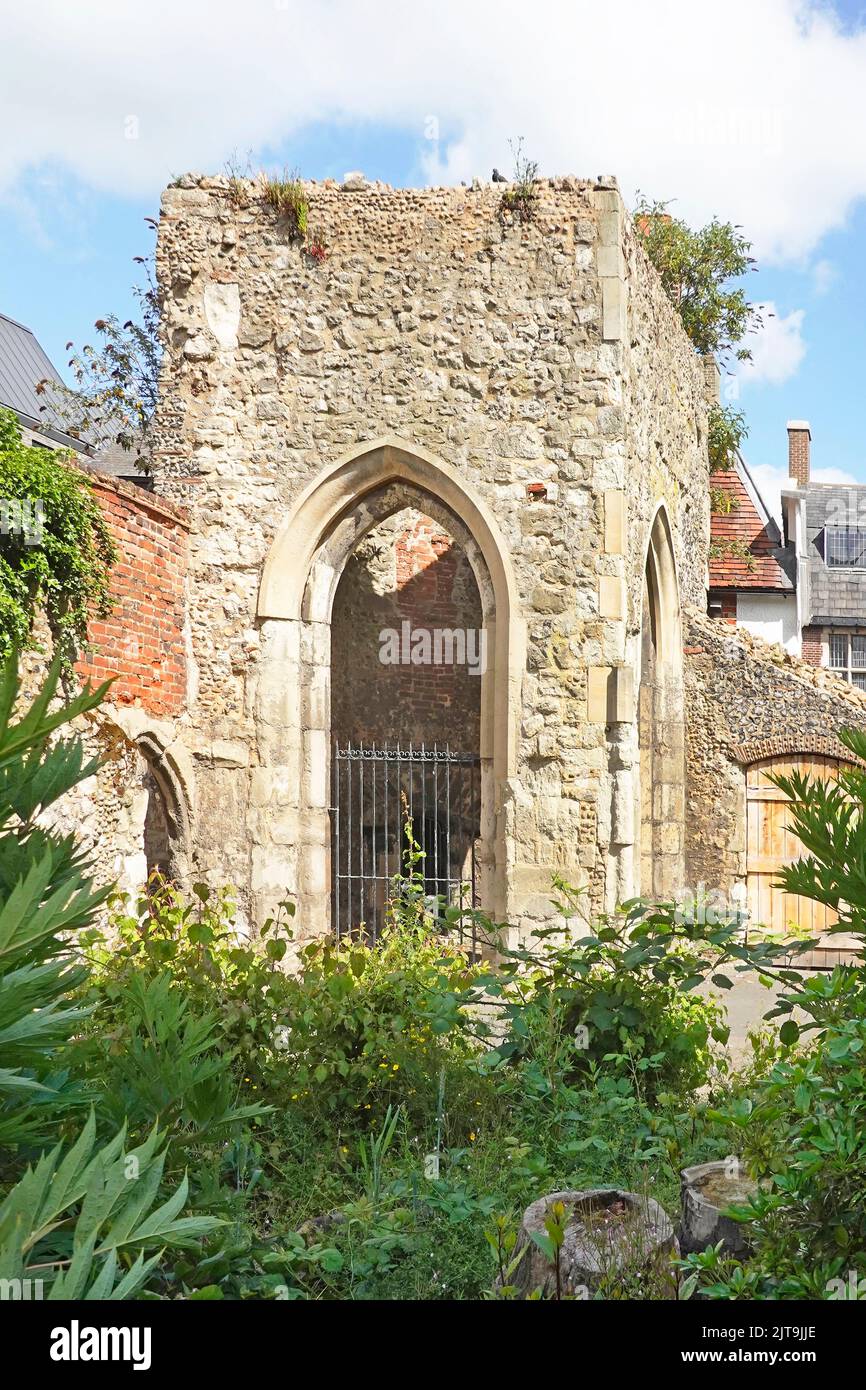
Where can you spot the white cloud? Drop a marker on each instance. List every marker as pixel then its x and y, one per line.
pixel 777 348
pixel 754 111
pixel 770 481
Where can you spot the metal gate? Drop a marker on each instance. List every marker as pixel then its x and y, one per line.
pixel 374 791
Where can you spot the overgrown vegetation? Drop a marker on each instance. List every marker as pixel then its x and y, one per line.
pixel 185 1118
pixel 519 200
pixel 285 194
pixel 696 269
pixel 55 548
pixel 116 380
pixel 726 430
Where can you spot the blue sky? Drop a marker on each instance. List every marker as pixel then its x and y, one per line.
pixel 753 111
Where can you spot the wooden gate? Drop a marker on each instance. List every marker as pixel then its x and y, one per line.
pixel 770 843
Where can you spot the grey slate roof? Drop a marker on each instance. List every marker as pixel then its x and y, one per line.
pixel 23 363
pixel 119 462
pixel 838 595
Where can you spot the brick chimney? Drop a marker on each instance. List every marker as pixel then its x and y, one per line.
pixel 799 442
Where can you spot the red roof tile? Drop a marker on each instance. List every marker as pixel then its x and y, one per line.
pixel 745 525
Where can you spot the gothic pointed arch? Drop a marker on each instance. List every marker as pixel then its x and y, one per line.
pixel 295 604
pixel 661 717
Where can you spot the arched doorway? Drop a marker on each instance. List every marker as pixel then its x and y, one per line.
pixel 293 703
pixel 408 652
pixel 661 720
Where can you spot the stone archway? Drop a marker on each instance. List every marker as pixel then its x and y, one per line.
pixel 291 790
pixel 661 719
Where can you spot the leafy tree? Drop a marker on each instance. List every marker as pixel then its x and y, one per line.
pixel 55 548
pixel 117 380
pixel 696 269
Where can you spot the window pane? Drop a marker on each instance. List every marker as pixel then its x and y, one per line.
pixel 838 649
pixel 846 545
pixel 858 652
pixel 858 678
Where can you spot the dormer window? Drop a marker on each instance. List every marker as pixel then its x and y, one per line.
pixel 846 547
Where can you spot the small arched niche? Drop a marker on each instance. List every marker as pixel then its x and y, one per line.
pixel 166 822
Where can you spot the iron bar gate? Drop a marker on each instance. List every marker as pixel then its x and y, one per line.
pixel 373 791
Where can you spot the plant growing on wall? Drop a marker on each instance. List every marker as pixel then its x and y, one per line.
pixel 117 379
pixel 287 198
pixel 726 430
pixel 722 503
pixel 696 269
pixel 518 200
pixel 55 548
pixel 731 549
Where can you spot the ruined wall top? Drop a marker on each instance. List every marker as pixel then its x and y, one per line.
pixel 358 215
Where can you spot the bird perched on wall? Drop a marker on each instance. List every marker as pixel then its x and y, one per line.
pixel 499 178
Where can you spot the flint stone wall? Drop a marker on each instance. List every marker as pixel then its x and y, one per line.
pixel 746 700
pixel 519 354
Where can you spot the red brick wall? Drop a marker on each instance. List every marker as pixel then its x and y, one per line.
pixel 141 641
pixel 799 448
pixel 432 696
pixel 728 605
pixel 425 580
pixel 812 642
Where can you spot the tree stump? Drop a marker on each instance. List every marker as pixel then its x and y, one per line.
pixel 707 1189
pixel 617 1243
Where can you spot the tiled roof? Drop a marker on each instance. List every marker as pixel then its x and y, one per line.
pixel 23 364
pixel 749 524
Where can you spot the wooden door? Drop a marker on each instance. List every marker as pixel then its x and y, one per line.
pixel 771 843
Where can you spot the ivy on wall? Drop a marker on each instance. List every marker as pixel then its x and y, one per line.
pixel 56 552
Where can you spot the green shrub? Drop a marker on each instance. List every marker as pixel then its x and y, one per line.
pixel 152 1059
pixel 371 1026
pixel 620 994
pixel 82 1219
pixel 196 944
pixel 82 1222
pixel 803 1133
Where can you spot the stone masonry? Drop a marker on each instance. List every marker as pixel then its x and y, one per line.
pixel 745 701
pixel 527 386
pixel 459 419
